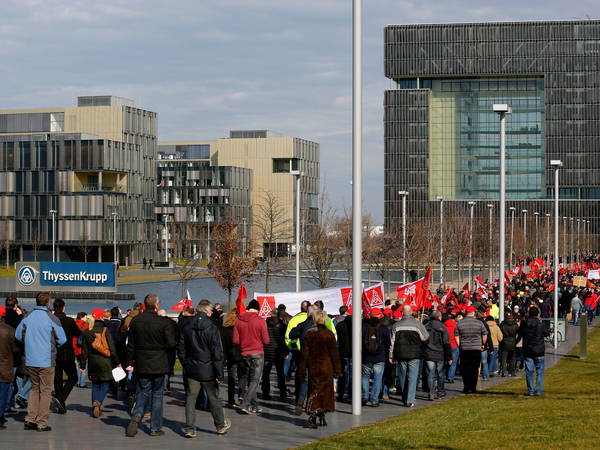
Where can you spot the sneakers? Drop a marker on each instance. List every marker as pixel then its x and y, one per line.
pixel 409 405
pixel 247 411
pixel 132 428
pixel 371 404
pixel 255 409
pixel 46 428
pixel 157 433
pixel 189 432
pixel 226 427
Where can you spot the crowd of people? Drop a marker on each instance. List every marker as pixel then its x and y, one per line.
pixel 45 353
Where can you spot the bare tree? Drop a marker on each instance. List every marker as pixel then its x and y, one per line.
pixel 36 241
pixel 85 247
pixel 6 242
pixel 273 227
pixel 383 251
pixel 227 266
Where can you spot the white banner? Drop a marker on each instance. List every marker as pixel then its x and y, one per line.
pixel 332 299
pixel 594 274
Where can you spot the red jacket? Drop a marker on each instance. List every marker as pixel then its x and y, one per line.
pixel 251 334
pixel 451 326
pixel 83 325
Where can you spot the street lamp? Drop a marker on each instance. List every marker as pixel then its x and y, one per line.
pixel 297 174
pixel 524 211
pixel 114 216
pixel 404 194
pixel 165 217
pixel 472 205
pixel 565 241
pixel 502 110
pixel 244 223
pixel 53 213
pixel 536 214
pixel 490 206
pixel 441 200
pixel 548 239
pixel 572 248
pixel 577 259
pixel 557 165
pixel 512 231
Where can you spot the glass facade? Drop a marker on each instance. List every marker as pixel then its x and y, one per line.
pixel 441 136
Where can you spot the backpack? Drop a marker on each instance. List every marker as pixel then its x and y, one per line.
pixel 100 344
pixel 372 340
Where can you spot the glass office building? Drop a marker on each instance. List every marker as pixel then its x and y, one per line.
pixel 442 137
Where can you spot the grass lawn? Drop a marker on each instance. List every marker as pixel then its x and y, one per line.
pixel 500 417
pixel 7 272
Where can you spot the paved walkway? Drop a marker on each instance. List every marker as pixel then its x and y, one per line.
pixel 275 428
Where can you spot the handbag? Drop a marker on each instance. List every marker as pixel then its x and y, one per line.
pixel 100 344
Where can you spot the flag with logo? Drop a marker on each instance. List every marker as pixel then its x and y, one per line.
pixel 414 293
pixel 183 303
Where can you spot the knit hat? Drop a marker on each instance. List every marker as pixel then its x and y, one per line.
pixel 253 304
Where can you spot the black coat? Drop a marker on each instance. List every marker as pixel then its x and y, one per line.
pixel 509 330
pixel 66 352
pixel 232 351
pixel 99 366
pixel 200 349
pixel 276 347
pixel 344 332
pixel 149 339
pixel 532 332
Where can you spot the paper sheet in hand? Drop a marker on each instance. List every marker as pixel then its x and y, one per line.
pixel 118 374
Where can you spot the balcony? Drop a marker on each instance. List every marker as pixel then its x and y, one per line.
pixel 103 188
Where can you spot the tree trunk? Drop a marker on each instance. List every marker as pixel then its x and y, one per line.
pixel 229 308
pixel 267 274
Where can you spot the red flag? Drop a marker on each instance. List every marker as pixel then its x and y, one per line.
pixel 536 265
pixel 267 304
pixel 183 303
pixel 414 294
pixel 551 287
pixel 447 296
pixel 366 307
pixel 466 287
pixel 239 303
pixel 516 271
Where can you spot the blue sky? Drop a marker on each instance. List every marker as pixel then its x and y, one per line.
pixel 210 66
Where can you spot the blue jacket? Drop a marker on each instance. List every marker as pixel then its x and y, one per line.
pixel 42 334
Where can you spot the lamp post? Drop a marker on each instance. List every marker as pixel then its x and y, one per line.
pixel 556 164
pixel 490 206
pixel 512 232
pixel 244 223
pixel 524 211
pixel 114 216
pixel 571 247
pixel 165 218
pixel 502 110
pixel 53 213
pixel 297 174
pixel 471 214
pixel 441 200
pixel 548 239
pixel 404 194
pixel 565 240
pixel 356 205
pixel 536 214
pixel 577 258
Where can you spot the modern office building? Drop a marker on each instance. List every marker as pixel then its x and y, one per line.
pixel 442 137
pixel 269 157
pixel 194 196
pixel 89 167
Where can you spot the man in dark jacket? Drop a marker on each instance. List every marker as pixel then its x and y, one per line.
pixel 7 349
pixel 508 346
pixel 201 353
pixel 376 345
pixel 406 347
pixel 275 355
pixel 65 358
pixel 250 332
pixel 532 332
pixel 344 332
pixel 150 337
pixel 437 354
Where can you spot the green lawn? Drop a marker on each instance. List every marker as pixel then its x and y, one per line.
pixel 7 272
pixel 500 417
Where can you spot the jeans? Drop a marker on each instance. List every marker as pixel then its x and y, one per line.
pixel 81 375
pixel 286 364
pixel 62 388
pixel 485 371
pixel 374 370
pixel 536 364
pixel 254 365
pixel 233 375
pixel 215 405
pixel 4 388
pixel 99 391
pixel 493 361
pixel 9 397
pixel 266 381
pixel 576 316
pixel 408 375
pixel 454 365
pixel 344 382
pixel 150 393
pixel 435 371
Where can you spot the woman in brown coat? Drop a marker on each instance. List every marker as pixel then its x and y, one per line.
pixel 320 356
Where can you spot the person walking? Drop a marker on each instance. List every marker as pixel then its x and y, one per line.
pixel 532 333
pixel 149 339
pixel 41 333
pixel 233 359
pixel 576 307
pixel 320 358
pixel 250 333
pixel 275 355
pixel 144 263
pixel 496 337
pixel 406 347
pixel 65 359
pixel 100 357
pixel 450 325
pixel 437 354
pixel 471 337
pixel 375 347
pixel 7 349
pixel 508 348
pixel 201 354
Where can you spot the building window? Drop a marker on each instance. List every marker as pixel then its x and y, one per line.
pixel 284 165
